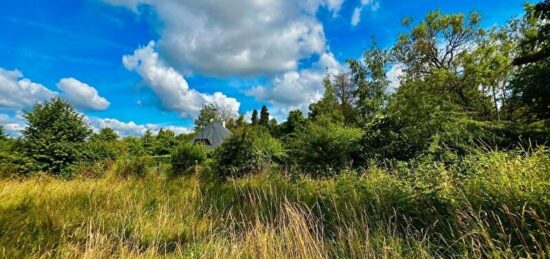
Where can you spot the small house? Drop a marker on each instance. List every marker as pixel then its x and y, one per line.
pixel 212 135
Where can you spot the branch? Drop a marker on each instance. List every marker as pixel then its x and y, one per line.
pixel 530 58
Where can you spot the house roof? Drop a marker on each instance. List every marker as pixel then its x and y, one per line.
pixel 215 134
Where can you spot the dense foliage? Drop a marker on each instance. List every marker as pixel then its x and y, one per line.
pixel 187 155
pixel 248 150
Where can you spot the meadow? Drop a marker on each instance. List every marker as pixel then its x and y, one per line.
pixel 494 204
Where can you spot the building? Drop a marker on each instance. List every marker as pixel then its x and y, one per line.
pixel 212 135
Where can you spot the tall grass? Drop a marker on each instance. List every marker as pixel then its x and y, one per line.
pixel 488 205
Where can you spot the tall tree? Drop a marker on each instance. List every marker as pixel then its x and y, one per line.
pixel 54 136
pixel 344 89
pixel 294 122
pixel 264 117
pixel 148 142
pixel 370 83
pixel 2 133
pixel 535 45
pixel 207 115
pixel 326 110
pixel 213 113
pixel 435 51
pixel 254 118
pixel 530 97
pixel 165 141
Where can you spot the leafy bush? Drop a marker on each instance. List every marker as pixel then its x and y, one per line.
pixel 324 150
pixel 186 155
pixel 131 168
pixel 248 150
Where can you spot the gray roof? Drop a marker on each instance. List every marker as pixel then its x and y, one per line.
pixel 213 135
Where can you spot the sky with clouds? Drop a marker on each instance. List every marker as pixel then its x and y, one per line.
pixel 137 65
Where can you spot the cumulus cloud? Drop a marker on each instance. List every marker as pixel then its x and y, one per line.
pixel 81 95
pixel 13 125
pixel 131 128
pixel 18 92
pixel 297 89
pixel 356 16
pixel 242 37
pixel 170 86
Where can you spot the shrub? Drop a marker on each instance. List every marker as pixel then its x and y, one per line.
pixel 186 155
pixel 131 168
pixel 248 150
pixel 324 150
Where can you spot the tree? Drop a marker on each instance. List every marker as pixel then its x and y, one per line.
pixel 435 50
pixel 165 142
pixel 254 117
pixel 54 136
pixel 370 83
pixel 535 45
pixel 294 122
pixel 213 113
pixel 326 110
pixel 530 86
pixel 344 89
pixel 240 121
pixel 2 133
pixel 206 116
pixel 148 142
pixel 105 134
pixel 264 117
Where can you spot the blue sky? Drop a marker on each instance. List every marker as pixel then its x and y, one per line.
pixel 140 64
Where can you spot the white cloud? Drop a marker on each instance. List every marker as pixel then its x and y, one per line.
pixel 394 76
pixel 81 94
pixel 241 37
pixel 17 92
pixel 131 128
pixel 13 125
pixel 356 16
pixel 170 86
pixel 297 89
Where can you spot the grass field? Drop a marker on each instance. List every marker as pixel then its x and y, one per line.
pixel 489 205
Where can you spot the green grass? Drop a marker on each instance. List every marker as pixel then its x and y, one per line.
pixel 489 205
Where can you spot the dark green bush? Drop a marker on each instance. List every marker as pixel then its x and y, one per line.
pixel 186 155
pixel 248 150
pixel 324 150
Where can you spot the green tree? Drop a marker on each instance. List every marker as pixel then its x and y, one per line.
pixel 164 143
pixel 206 116
pixel 105 134
pixel 535 44
pixel 240 121
pixel 264 117
pixel 148 142
pixel 344 91
pixel 54 136
pixel 370 82
pixel 2 133
pixel 326 110
pixel 254 118
pixel 530 98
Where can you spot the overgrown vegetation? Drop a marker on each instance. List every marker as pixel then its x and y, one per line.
pixel 451 163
